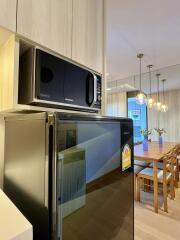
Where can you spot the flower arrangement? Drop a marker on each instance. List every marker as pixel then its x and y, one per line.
pixel 160 131
pixel 145 133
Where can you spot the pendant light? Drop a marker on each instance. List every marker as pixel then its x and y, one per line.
pixel 158 103
pixel 141 97
pixel 164 107
pixel 150 101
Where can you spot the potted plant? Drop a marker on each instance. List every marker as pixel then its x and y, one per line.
pixel 160 131
pixel 145 133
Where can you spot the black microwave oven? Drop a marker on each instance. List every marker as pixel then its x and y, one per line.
pixel 47 80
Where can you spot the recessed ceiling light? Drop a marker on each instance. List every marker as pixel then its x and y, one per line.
pixel 108 89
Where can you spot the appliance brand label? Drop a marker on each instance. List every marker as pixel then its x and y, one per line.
pixel 44 95
pixel 126 133
pixel 69 99
pixel 126 157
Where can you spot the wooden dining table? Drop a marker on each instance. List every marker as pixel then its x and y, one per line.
pixel 153 155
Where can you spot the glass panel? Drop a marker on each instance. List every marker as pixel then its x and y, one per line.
pixel 95 196
pixel 138 113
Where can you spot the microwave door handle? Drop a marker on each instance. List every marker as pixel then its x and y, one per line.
pixel 95 90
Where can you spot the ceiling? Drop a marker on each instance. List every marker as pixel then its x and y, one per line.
pixel 171 74
pixel 151 27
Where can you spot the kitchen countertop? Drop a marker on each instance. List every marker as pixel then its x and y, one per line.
pixel 13 225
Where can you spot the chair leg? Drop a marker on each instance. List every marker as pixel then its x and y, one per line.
pixel 175 179
pixel 165 196
pixel 138 188
pixel 177 176
pixel 135 187
pixel 172 191
pixel 177 173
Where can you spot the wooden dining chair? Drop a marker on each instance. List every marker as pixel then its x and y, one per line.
pixel 165 176
pixel 141 163
pixel 175 151
pixel 178 155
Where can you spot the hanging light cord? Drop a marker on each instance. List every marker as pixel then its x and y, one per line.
pixel 163 93
pixel 140 55
pixel 140 73
pixel 158 86
pixel 150 80
pixel 163 90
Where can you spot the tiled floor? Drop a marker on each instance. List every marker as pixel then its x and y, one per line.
pixel 161 226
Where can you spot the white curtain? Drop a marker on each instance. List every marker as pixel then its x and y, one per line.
pixel 117 105
pixel 170 120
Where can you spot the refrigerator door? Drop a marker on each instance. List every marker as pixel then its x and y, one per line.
pixel 94 196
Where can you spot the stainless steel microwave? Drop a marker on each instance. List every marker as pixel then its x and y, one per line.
pixel 47 80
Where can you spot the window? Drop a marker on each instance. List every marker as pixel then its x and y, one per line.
pixel 138 113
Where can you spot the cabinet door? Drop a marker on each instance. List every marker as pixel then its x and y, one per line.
pixel 47 22
pixel 8 14
pixel 87 37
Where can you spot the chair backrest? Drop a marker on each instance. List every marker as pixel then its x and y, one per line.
pixel 177 149
pixel 170 159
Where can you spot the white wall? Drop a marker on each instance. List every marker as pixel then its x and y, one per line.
pixel 1 150
pixel 170 120
pixel 117 105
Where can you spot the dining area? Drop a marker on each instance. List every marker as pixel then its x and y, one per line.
pixel 157 168
pixel 157 191
pixel 156 137
pixel 143 85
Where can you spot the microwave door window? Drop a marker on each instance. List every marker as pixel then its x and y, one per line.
pixel 95 196
pixel 75 85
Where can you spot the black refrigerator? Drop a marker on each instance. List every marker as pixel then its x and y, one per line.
pixel 71 175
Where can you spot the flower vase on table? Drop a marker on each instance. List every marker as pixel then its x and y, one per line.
pixel 160 131
pixel 160 140
pixel 145 144
pixel 145 133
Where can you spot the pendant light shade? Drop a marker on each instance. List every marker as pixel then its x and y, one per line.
pixel 141 97
pixel 158 106
pixel 164 107
pixel 158 103
pixel 150 101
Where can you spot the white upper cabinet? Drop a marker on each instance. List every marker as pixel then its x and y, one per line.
pixel 47 22
pixel 73 28
pixel 8 14
pixel 87 37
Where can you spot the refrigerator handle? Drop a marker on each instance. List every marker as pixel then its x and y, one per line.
pixel 50 177
pixel 46 187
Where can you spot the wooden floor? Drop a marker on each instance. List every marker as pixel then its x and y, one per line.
pixel 161 226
